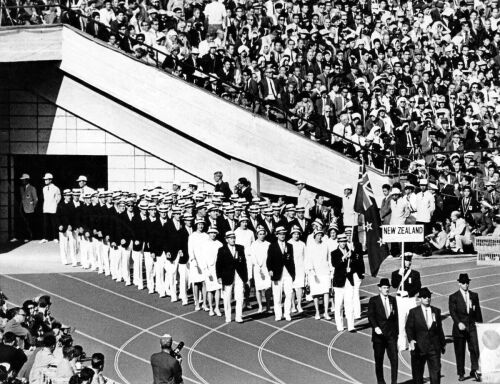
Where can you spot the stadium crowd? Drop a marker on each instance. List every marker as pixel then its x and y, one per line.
pixel 389 81
pixel 36 348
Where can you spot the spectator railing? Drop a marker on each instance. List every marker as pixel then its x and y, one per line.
pixel 277 114
pixel 488 250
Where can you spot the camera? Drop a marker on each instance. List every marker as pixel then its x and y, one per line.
pixel 176 353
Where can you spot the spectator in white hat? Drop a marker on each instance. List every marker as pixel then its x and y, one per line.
pixel 82 184
pixel 51 197
pixel 29 201
pixel 258 256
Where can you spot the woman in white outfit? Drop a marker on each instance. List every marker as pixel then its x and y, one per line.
pixel 196 248
pixel 212 285
pixel 317 225
pixel 299 254
pixel 245 237
pixel 317 264
pixel 258 257
pixel 333 244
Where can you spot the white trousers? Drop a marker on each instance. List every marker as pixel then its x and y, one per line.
pixel 404 306
pixel 344 298
pixel 125 265
pixel 72 251
pixel 96 254
pixel 63 247
pixel 183 282
pixel 105 251
pixel 114 262
pixel 149 264
pixel 85 252
pixel 171 277
pixel 356 302
pixel 239 293
pixel 137 260
pixel 285 284
pixel 160 275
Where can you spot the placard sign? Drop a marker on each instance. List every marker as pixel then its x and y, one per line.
pixel 402 233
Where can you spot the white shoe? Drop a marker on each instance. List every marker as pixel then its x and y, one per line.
pixel 300 310
pixel 197 308
pixel 260 310
pixel 327 316
pixel 288 318
pixel 239 320
pixel 218 313
pixel 13 240
pixel 340 329
pixel 294 310
pixel 26 241
pixel 277 319
pixel 211 313
pixel 317 316
pixel 56 241
pixel 228 321
pixel 184 302
pixel 42 241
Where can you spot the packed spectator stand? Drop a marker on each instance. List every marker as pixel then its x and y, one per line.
pixel 37 348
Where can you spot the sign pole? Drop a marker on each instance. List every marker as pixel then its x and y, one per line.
pixel 403 254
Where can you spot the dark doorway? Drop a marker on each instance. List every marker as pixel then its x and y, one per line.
pixel 64 168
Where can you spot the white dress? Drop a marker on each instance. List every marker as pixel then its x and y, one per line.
pixel 258 258
pixel 210 258
pixel 299 254
pixel 317 264
pixel 332 245
pixel 196 245
pixel 245 237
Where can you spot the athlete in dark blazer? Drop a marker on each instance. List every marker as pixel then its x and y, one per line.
pixel 427 343
pixel 385 331
pixel 227 265
pixel 277 260
pixel 464 326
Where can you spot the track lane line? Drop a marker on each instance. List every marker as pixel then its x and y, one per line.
pixel 178 317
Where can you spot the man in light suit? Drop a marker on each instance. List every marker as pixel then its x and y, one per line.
pixel 383 317
pixel 29 200
pixel 51 198
pixel 424 330
pixel 465 311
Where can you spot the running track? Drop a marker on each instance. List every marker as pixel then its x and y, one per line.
pixel 125 324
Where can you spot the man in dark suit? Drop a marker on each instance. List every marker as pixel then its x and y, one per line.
pixel 166 369
pixel 407 283
pixel 159 246
pixel 426 337
pixel 465 311
pixel 231 271
pixel 9 353
pixel 214 220
pixel 173 229
pixel 383 317
pixel 281 268
pixel 221 185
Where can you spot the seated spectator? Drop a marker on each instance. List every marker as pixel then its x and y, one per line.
pixel 16 325
pixel 11 354
pixel 459 235
pixel 436 241
pixel 44 359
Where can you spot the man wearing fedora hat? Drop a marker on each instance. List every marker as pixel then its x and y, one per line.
pixel 51 198
pixel 383 317
pixel 232 274
pixel 426 338
pixel 465 310
pixel 29 201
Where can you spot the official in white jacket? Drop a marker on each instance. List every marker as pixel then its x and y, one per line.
pixel 425 205
pixel 51 198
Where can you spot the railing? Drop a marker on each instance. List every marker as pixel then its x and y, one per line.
pixel 385 160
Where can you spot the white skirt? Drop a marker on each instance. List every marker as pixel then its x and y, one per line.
pixel 319 284
pixel 196 274
pixel 261 278
pixel 300 277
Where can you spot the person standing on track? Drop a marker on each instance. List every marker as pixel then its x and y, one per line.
pixel 282 272
pixel 383 317
pixel 426 339
pixel 465 311
pixel 51 197
pixel 231 270
pixel 407 282
pixel 166 369
pixel 29 201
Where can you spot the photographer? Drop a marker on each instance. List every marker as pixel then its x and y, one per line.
pixel 166 369
pixel 435 242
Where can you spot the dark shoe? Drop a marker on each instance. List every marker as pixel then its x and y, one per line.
pixel 476 376
pixel 461 378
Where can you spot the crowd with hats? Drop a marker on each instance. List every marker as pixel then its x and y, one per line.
pixel 36 348
pixel 375 79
